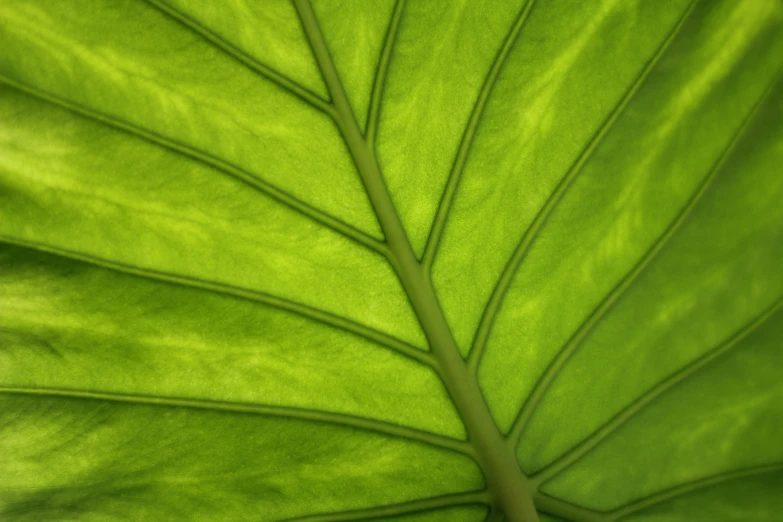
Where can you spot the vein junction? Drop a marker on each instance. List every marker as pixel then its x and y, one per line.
pixel 506 484
pixel 509 491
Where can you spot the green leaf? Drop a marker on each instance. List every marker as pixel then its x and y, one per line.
pixel 413 261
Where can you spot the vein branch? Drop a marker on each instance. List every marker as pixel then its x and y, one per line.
pixel 690 487
pixel 302 310
pixel 403 508
pixel 566 510
pixel 651 395
pixel 505 481
pixel 209 160
pixel 326 417
pixel 450 190
pixel 576 340
pixel 506 278
pixel 381 72
pixel 245 59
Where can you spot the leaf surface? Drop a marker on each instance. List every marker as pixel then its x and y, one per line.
pixel 411 261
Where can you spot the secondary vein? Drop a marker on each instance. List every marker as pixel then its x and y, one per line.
pixel 209 160
pixel 575 341
pixel 504 282
pixel 245 59
pixel 505 481
pixel 690 487
pixel 566 510
pixel 341 419
pixel 403 508
pixel 450 190
pixel 601 434
pixel 302 310
pixel 380 76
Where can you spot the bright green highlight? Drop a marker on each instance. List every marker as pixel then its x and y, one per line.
pixel 326 261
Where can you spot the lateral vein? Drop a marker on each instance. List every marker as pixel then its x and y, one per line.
pixel 380 76
pixel 504 282
pixel 602 433
pixel 566 510
pixel 403 508
pixel 245 59
pixel 209 160
pixel 575 341
pixel 505 481
pixel 450 190
pixel 302 310
pixel 342 419
pixel 689 487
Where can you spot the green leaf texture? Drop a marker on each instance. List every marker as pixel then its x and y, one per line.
pixel 415 261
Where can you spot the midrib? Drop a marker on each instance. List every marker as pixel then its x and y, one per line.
pixel 506 483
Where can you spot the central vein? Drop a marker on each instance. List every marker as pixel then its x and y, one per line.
pixel 505 481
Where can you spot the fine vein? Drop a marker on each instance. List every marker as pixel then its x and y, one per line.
pixel 245 59
pixel 651 395
pixel 467 138
pixel 209 160
pixel 380 76
pixel 575 341
pixel 403 508
pixel 341 419
pixel 506 483
pixel 690 487
pixel 504 282
pixel 302 310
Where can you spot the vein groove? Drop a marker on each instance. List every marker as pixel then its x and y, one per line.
pixel 242 57
pixel 689 487
pixel 504 282
pixel 403 508
pixel 341 419
pixel 214 162
pixel 495 515
pixel 302 310
pixel 461 158
pixel 380 76
pixel 575 341
pixel 602 433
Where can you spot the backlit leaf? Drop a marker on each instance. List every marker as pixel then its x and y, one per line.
pixel 409 260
